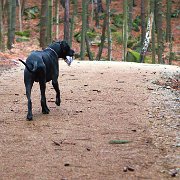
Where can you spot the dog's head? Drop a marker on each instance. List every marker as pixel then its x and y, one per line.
pixel 63 51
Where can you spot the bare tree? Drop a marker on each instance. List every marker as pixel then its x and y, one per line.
pixel 43 22
pixel 11 22
pixel 20 15
pixel 109 30
pixel 125 28
pixel 158 8
pixel 84 26
pixel 103 37
pixel 57 19
pixel 66 22
pixel 50 21
pixel 1 29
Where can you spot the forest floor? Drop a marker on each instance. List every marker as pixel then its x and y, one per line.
pixel 101 101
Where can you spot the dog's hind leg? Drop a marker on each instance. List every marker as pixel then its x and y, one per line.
pixel 56 87
pixel 45 109
pixel 28 94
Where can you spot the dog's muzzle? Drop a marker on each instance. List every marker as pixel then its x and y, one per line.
pixel 68 60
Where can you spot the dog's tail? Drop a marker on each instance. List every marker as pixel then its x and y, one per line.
pixel 31 71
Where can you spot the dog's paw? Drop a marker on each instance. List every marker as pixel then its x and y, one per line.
pixel 29 117
pixel 58 102
pixel 45 110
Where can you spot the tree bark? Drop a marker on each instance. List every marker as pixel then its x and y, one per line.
pixel 147 37
pixel 103 37
pixel 143 21
pixel 50 21
pixel 11 22
pixel 96 13
pixel 83 30
pixel 20 15
pixel 57 19
pixel 130 19
pixel 43 22
pixel 88 48
pixel 168 20
pixel 109 30
pixel 125 28
pixel 153 35
pixel 159 31
pixel 2 46
pixel 72 22
pixel 66 22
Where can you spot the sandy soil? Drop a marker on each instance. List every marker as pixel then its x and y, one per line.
pixel 101 101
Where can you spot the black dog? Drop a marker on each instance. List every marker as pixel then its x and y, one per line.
pixel 42 67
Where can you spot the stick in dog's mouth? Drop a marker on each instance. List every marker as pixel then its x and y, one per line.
pixel 68 60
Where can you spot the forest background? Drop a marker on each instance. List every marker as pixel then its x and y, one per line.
pixel 129 30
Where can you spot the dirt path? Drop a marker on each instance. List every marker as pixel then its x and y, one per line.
pixel 101 101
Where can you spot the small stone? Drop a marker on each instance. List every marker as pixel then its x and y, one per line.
pixel 125 169
pixel 130 168
pixel 66 164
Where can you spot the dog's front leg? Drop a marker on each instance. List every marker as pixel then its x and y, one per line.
pixel 45 109
pixel 56 87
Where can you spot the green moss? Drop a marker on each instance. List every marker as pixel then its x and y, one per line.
pixel 23 33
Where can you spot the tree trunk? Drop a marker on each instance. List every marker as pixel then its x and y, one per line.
pixel 153 36
pixel 99 6
pixel 130 19
pixel 109 31
pixel 11 22
pixel 159 30
pixel 57 19
pixel 103 37
pixel 92 10
pixel 147 37
pixel 22 6
pixel 72 22
pixel 168 20
pixel 170 50
pixel 83 30
pixel 88 48
pixel 50 21
pixel 125 28
pixel 43 22
pixel 96 13
pixel 2 46
pixel 20 16
pixel 66 22
pixel 143 22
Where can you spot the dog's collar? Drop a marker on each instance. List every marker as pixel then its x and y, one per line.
pixel 53 51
